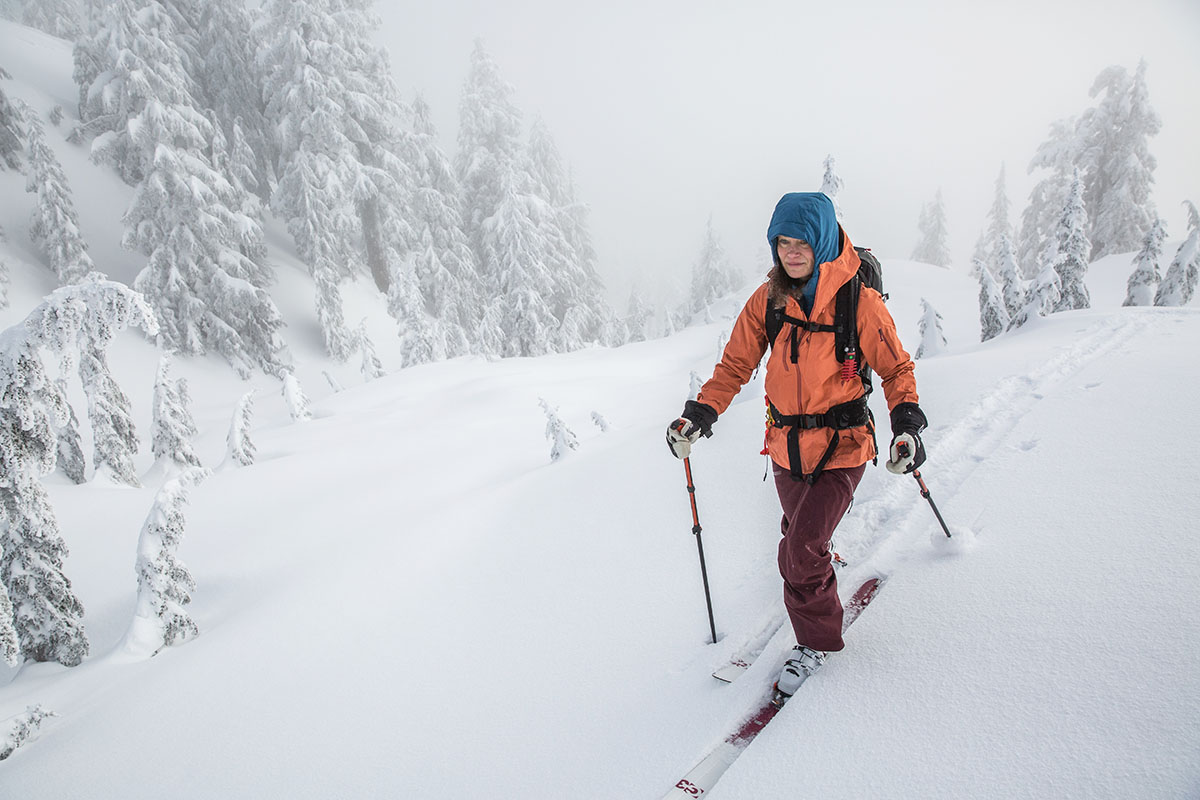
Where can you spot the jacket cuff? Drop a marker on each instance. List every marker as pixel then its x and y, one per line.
pixel 908 418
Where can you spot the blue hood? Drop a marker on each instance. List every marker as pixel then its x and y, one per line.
pixel 808 216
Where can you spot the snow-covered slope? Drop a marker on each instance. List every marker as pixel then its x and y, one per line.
pixel 404 597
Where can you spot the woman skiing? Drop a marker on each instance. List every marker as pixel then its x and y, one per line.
pixel 820 433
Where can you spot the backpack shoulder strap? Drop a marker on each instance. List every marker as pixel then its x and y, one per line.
pixel 846 319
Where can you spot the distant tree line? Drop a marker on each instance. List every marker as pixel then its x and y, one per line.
pixel 1093 200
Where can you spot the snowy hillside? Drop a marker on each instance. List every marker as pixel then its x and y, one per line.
pixel 405 597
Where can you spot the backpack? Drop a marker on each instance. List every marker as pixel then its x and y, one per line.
pixel 844 330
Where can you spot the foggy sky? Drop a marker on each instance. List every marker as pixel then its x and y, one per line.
pixel 670 112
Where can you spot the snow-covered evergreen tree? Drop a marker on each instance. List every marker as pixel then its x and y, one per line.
pixel 489 150
pixel 713 275
pixel 994 318
pixel 185 216
pixel 638 317
pixel 442 259
pixel 55 225
pixel 979 255
pixel 1179 282
pixel 1008 274
pixel 505 223
pixel 1143 282
pixel 295 398
pixel 197 277
pixel 931 248
pixel 10 643
pixel 239 448
pixel 1116 161
pixel 316 160
pixel 370 367
pixel 47 614
pixel 332 381
pixel 1057 158
pixel 514 255
pixel 600 422
pixel 423 338
pixel 1073 249
pixel 336 113
pixel 59 18
pixel 12 131
pixel 22 728
pixel 998 229
pixel 131 66
pixel 933 340
pixel 172 423
pixel 165 585
pixel 230 83
pixel 1043 298
pixel 4 277
pixel 561 437
pixel 831 186
pixel 576 293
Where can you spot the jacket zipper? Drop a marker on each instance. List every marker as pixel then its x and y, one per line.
pixel 888 344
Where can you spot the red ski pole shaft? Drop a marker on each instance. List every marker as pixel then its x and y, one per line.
pixel 687 468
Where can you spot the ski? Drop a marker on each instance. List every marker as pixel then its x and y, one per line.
pixel 701 778
pixel 743 658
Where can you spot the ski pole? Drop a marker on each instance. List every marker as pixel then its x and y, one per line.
pixel 916 473
pixel 927 496
pixel 687 468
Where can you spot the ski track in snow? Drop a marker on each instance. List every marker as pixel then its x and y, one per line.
pixel 889 521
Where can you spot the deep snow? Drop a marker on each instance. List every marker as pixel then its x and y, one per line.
pixel 404 597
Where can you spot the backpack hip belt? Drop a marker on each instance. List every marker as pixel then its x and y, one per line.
pixel 843 416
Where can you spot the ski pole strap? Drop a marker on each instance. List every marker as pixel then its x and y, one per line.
pixel 853 414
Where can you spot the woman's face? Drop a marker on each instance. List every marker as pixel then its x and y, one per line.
pixel 796 256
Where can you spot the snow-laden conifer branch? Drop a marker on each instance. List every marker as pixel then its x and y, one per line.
pixel 173 426
pixel 46 613
pixel 933 340
pixel 1179 283
pixel 1145 278
pixel 239 448
pixel 371 367
pixel 165 585
pixel 561 437
pixel 22 728
pixel 294 396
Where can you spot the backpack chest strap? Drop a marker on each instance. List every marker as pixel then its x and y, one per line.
pixel 802 324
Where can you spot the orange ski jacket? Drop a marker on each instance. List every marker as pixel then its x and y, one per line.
pixel 814 383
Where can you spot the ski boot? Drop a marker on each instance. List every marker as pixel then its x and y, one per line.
pixel 804 661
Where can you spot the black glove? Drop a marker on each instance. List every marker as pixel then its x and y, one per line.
pixel 907 453
pixel 696 421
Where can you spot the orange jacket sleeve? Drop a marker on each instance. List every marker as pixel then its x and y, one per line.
pixel 881 346
pixel 746 347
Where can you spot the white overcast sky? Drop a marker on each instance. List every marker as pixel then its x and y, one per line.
pixel 669 112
